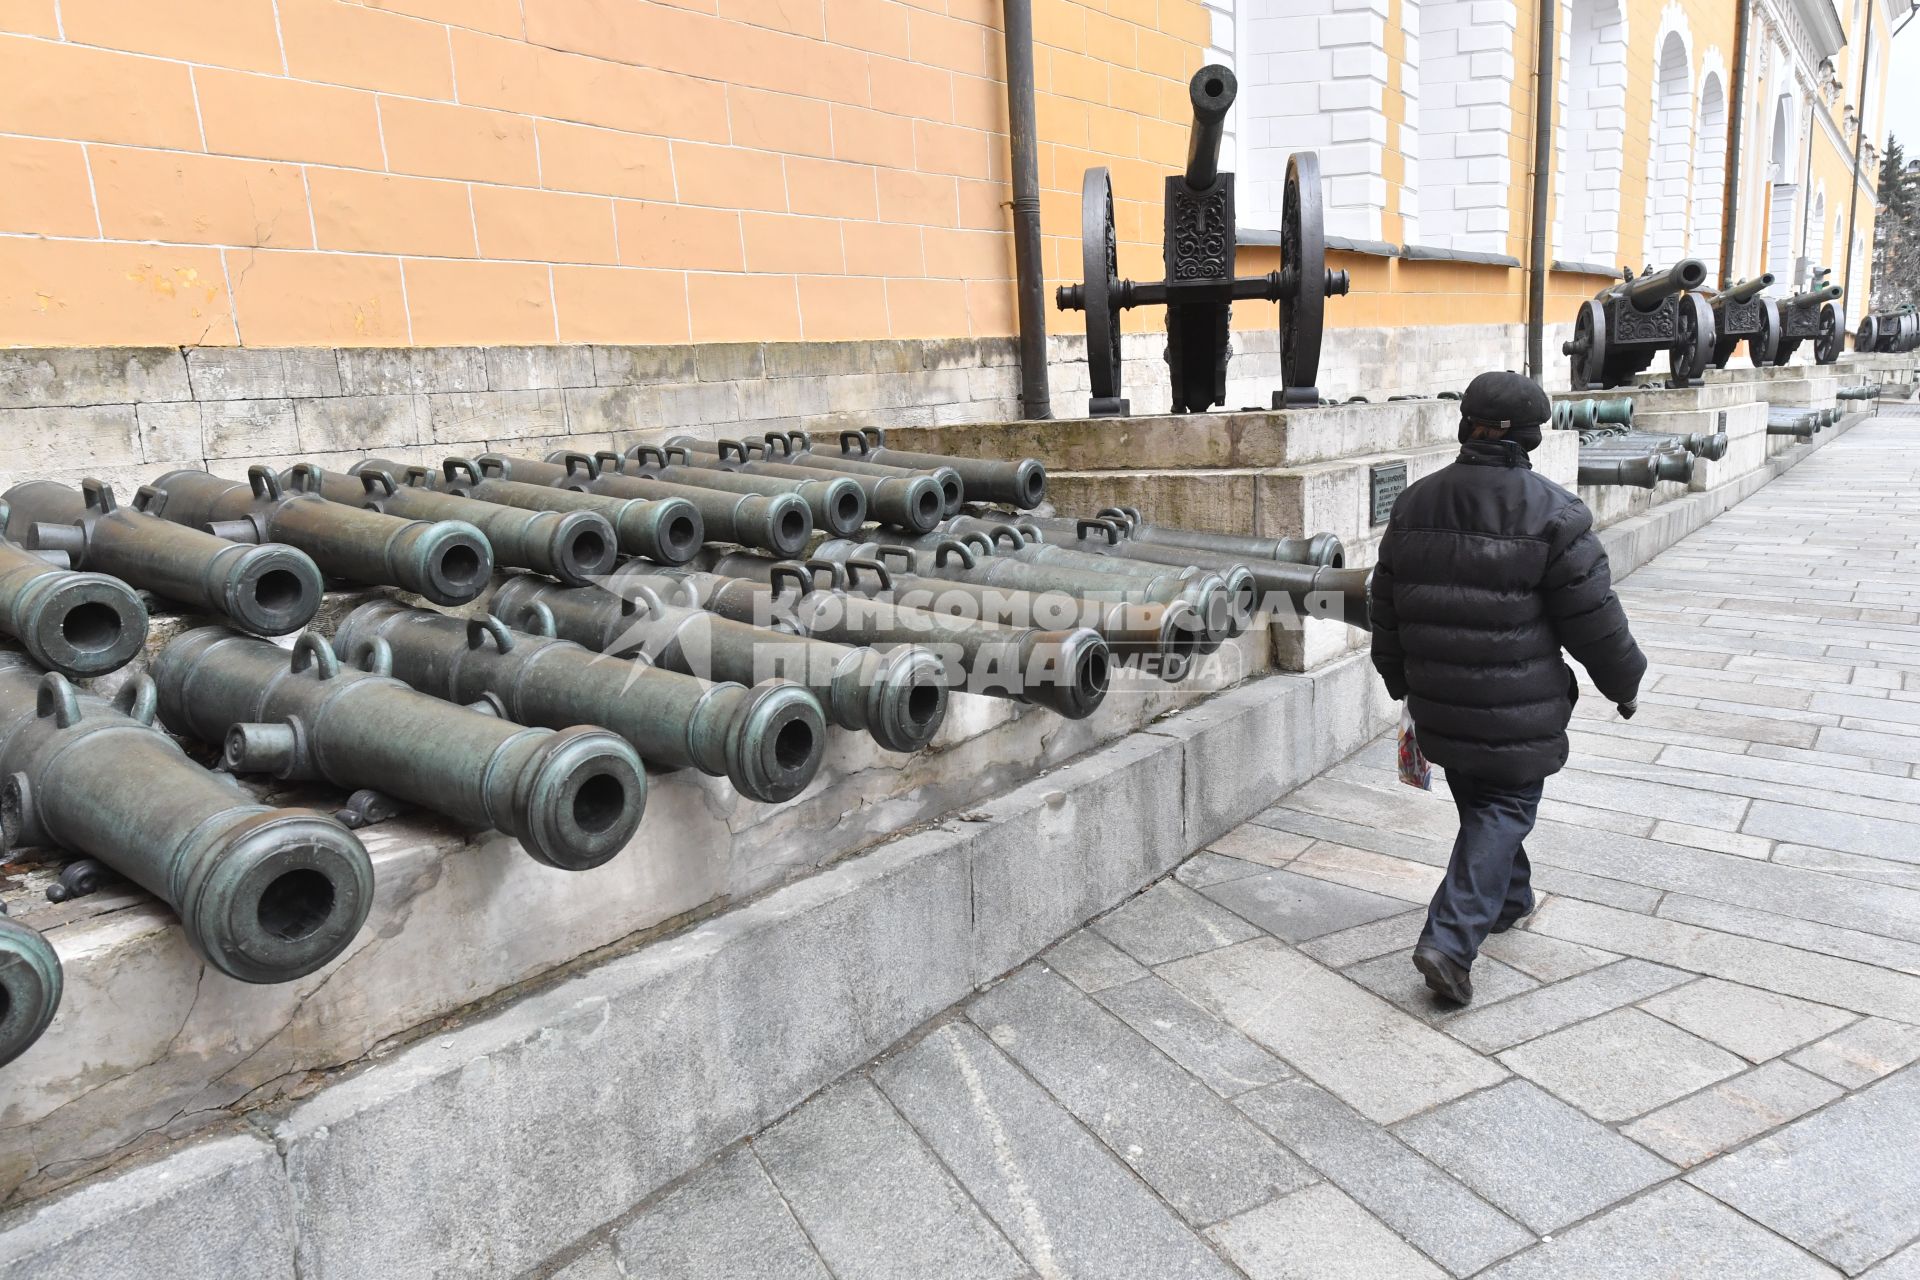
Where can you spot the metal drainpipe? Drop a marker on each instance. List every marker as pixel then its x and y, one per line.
pixel 1730 203
pixel 1859 137
pixel 1538 263
pixel 1029 287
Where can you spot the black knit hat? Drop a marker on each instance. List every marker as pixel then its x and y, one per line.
pixel 1509 400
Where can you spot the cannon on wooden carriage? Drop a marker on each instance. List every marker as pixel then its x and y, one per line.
pixel 1811 314
pixel 1890 331
pixel 1743 312
pixel 1200 287
pixel 1619 330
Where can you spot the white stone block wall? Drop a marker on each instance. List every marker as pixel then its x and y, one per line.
pixel 1313 77
pixel 1670 144
pixel 1466 124
pixel 1593 118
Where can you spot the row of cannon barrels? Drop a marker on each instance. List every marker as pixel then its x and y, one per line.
pixel 700 605
pixel 1612 452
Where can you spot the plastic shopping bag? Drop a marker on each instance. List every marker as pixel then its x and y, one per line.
pixel 1414 769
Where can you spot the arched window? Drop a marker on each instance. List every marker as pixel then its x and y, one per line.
pixel 1858 303
pixel 1669 162
pixel 1781 195
pixel 1816 235
pixel 1710 173
pixel 1593 108
pixel 1466 123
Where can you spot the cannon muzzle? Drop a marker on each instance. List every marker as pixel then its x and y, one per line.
pixel 1747 290
pixel 30 986
pixel 1649 291
pixel 1212 90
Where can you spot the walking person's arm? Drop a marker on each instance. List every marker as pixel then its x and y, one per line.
pixel 1586 614
pixel 1388 658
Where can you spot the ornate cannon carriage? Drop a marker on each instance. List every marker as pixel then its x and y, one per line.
pixel 1744 313
pixel 1200 287
pixel 1891 331
pixel 1811 315
pixel 1619 330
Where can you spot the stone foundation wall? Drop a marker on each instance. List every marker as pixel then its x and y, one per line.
pixel 127 414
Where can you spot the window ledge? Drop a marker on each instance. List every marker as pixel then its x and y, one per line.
pixel 1372 248
pixel 1428 253
pixel 1586 269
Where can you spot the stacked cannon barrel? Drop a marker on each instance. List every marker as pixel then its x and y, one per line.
pixel 530 636
pixel 1613 452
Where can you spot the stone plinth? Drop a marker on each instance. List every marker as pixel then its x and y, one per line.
pixel 150 1042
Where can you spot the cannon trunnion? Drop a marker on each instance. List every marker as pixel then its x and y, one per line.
pixel 1200 288
pixel 1618 331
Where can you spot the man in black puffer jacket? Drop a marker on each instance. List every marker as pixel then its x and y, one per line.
pixel 1486 571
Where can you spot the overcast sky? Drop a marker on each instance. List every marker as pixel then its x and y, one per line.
pixel 1903 91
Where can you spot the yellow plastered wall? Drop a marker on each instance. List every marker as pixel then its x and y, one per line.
pixel 491 171
pixel 1111 90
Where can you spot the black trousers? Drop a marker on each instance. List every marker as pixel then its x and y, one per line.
pixel 1488 880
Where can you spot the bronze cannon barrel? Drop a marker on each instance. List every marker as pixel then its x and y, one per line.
pixel 1649 291
pixel 447 561
pixel 1747 290
pixel 898 696
pixel 1212 91
pixel 1826 292
pixel 79 624
pixel 269 589
pixel 766 740
pixel 30 986
pixel 264 894
pixel 572 797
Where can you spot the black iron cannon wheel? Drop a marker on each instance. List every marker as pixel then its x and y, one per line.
pixel 1100 268
pixel 1832 338
pixel 1588 348
pixel 1692 349
pixel 1306 282
pixel 1763 344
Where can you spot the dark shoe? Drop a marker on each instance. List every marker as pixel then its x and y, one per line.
pixel 1446 977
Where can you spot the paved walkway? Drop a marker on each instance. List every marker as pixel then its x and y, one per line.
pixel 1692 1062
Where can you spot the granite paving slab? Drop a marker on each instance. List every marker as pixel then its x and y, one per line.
pixel 1845 984
pixel 1207 867
pixel 1383 1062
pixel 1722 1117
pixel 1491 1028
pixel 1218 1056
pixel 1753 1023
pixel 871 1197
pixel 1431 1210
pixel 1321 1234
pixel 1843 1183
pixel 1254 842
pixel 1621 1064
pixel 1170 921
pixel 1092 963
pixel 728 1221
pixel 1861 1053
pixel 1673 1233
pixel 1543 958
pixel 1294 907
pixel 1067 1204
pixel 1394 977
pixel 1365 941
pixel 1189 1144
pixel 1532 1155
